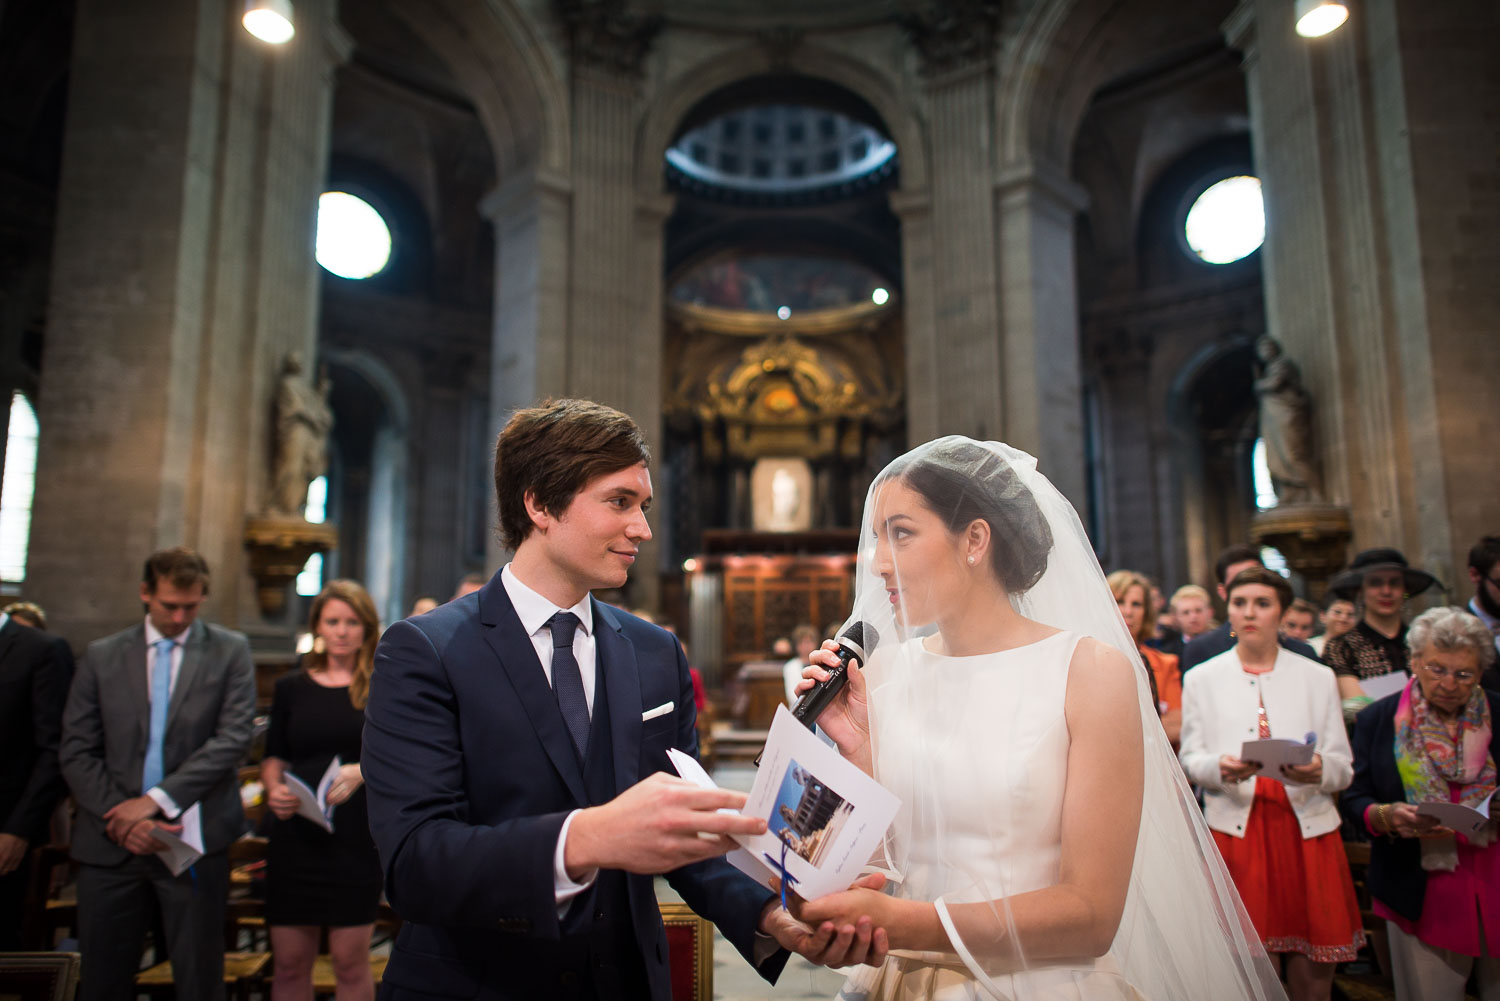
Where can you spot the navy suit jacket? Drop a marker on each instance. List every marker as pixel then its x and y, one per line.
pixel 1396 877
pixel 470 774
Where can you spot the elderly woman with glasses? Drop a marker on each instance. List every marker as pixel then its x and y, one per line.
pixel 1433 742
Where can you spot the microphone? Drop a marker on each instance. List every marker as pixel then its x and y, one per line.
pixel 853 645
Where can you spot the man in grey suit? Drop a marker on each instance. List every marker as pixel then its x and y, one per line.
pixel 158 719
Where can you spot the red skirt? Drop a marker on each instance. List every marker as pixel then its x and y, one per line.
pixel 1297 890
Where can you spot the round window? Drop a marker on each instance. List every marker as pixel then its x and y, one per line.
pixel 1228 221
pixel 353 240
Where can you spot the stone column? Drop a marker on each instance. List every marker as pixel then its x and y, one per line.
pixel 614 322
pixel 529 353
pixel 1375 145
pixel 1042 389
pixel 923 379
pixel 183 271
pixel 954 358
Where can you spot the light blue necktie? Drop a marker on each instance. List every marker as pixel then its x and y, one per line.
pixel 161 695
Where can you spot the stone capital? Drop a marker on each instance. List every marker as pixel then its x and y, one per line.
pixel 654 208
pixel 909 205
pixel 1041 184
pixel 953 35
pixel 532 181
pixel 603 34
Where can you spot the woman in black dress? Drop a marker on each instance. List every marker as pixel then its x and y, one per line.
pixel 317 878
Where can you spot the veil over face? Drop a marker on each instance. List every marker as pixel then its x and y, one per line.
pixel 974 741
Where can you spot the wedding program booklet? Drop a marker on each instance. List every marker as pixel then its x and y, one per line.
pixel 1465 820
pixel 185 848
pixel 1379 687
pixel 314 805
pixel 1272 753
pixel 828 815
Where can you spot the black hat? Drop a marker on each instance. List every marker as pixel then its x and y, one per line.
pixel 1348 582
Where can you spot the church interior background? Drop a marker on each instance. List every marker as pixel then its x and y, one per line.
pixel 790 238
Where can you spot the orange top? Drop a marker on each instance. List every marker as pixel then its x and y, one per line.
pixel 1168 678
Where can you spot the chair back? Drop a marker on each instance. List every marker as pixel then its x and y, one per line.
pixel 39 976
pixel 690 953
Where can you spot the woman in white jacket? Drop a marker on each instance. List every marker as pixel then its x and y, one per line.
pixel 1278 833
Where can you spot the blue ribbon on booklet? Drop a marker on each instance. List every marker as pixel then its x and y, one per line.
pixel 780 870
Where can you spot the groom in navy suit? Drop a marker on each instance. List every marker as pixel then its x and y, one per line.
pixel 515 756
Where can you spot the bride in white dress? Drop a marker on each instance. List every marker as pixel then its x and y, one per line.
pixel 1047 846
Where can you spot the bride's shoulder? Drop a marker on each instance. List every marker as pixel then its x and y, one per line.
pixel 1096 663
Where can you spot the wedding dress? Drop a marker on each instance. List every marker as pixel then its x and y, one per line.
pixel 977 750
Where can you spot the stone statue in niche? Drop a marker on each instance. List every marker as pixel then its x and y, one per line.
pixel 1285 423
pixel 303 421
pixel 781 494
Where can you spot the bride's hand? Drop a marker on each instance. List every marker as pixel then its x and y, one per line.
pixel 828 943
pixel 847 718
pixel 860 905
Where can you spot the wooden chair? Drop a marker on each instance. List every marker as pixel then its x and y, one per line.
pixel 1358 854
pixel 387 923
pixel 245 970
pixel 38 927
pixel 39 976
pixel 255 809
pixel 690 953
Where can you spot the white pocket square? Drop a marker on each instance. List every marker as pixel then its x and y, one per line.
pixel 660 710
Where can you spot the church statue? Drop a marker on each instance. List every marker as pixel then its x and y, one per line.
pixel 303 420
pixel 1285 423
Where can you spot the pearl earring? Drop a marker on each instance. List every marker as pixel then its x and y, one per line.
pixel 971 561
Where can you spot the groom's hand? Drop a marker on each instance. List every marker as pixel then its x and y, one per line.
pixel 830 943
pixel 653 826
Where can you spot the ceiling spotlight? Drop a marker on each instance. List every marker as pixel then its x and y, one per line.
pixel 1316 18
pixel 880 297
pixel 269 20
pixel 784 312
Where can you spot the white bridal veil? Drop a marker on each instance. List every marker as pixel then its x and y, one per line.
pixel 970 754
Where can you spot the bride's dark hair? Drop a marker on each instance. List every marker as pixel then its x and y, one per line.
pixel 962 482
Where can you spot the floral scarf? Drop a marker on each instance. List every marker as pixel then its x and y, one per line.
pixel 1428 760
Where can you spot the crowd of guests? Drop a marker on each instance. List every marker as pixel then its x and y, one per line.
pixel 149 763
pixel 1398 716
pixel 147 733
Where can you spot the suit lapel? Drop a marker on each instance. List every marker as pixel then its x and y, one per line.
pixel 622 680
pixel 517 658
pixel 193 658
pixel 137 687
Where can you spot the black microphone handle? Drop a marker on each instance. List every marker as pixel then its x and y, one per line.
pixel 818 698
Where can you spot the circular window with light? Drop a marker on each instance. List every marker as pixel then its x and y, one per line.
pixel 1227 221
pixel 353 239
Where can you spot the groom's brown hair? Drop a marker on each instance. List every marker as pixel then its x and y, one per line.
pixel 552 451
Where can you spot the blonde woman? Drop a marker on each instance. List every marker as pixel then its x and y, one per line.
pixel 317 878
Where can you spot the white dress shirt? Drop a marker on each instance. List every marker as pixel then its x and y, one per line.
pixel 169 807
pixel 534 611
